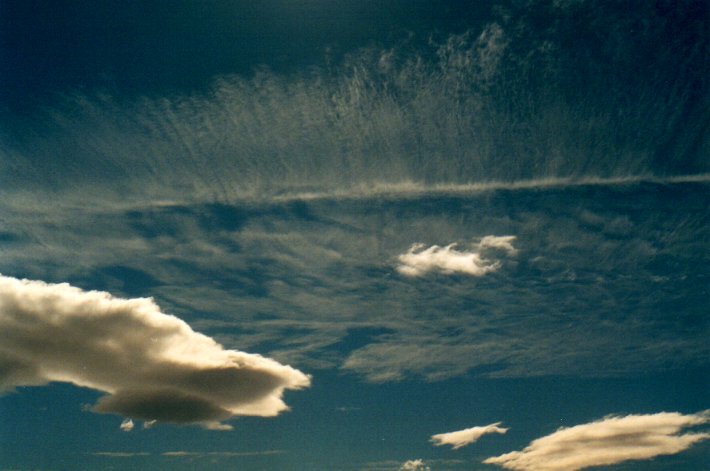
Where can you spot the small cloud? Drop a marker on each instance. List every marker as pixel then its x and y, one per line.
pixel 219 454
pixel 607 442
pixel 180 453
pixel 152 366
pixel 504 243
pixel 414 465
pixel 467 436
pixel 418 260
pixel 127 425
pixel 119 454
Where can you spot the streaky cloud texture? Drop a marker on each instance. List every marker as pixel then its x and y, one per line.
pixel 153 366
pixel 467 436
pixel 606 442
pixel 418 261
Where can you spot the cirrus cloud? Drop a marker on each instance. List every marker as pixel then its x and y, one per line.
pixel 418 260
pixel 153 366
pixel 467 436
pixel 606 442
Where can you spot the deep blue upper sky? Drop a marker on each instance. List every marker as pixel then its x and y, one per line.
pixel 144 47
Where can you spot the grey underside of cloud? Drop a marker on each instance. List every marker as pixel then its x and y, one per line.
pixel 153 366
pixel 597 287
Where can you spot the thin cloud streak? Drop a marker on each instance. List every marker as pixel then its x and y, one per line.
pixel 607 442
pixel 467 436
pixel 153 366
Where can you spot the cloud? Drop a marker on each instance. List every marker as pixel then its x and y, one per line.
pixel 127 425
pixel 447 260
pixel 606 442
pixel 120 454
pixel 414 465
pixel 153 366
pixel 223 454
pixel 467 436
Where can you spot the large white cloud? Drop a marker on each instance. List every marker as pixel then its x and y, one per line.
pixel 467 436
pixel 152 365
pixel 418 260
pixel 606 442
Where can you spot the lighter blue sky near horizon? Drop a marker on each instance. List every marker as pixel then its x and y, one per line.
pixel 360 224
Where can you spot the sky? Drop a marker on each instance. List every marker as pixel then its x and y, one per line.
pixel 357 235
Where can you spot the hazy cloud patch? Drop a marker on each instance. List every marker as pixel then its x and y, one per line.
pixel 414 465
pixel 127 425
pixel 153 366
pixel 419 260
pixel 467 436
pixel 607 442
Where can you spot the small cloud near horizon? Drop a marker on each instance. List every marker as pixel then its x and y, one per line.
pixel 467 436
pixel 414 465
pixel 607 442
pixel 127 425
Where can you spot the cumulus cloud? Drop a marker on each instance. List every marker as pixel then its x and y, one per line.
pixel 127 425
pixel 153 366
pixel 606 442
pixel 467 436
pixel 419 260
pixel 414 465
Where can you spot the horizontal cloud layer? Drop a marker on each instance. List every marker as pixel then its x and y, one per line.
pixel 467 436
pixel 606 442
pixel 153 366
pixel 447 260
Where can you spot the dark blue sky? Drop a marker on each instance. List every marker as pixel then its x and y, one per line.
pixel 147 47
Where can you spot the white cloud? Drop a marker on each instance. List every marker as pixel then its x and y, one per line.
pixel 153 366
pixel 467 436
pixel 606 442
pixel 120 454
pixel 127 425
pixel 418 260
pixel 414 465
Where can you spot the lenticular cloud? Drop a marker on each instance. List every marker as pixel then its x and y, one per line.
pixel 467 436
pixel 153 366
pixel 418 260
pixel 606 442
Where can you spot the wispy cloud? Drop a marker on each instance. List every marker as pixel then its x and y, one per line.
pixel 418 260
pixel 221 454
pixel 467 436
pixel 120 454
pixel 606 442
pixel 152 365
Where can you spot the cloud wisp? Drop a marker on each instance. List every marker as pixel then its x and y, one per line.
pixel 607 442
pixel 461 438
pixel 419 260
pixel 153 366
